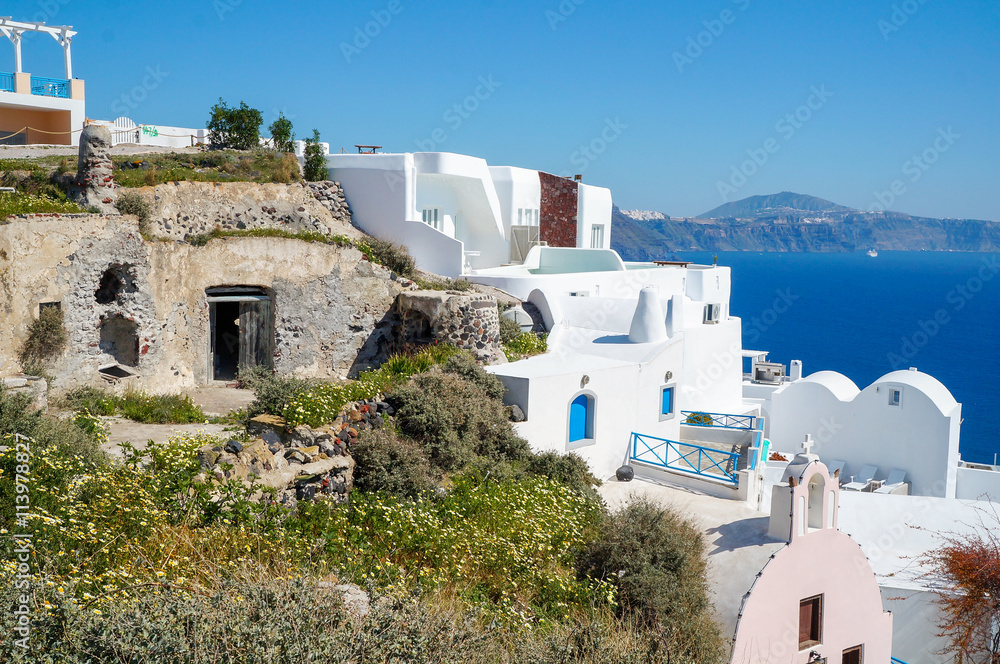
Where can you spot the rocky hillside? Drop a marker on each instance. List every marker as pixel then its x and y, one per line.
pixel 794 222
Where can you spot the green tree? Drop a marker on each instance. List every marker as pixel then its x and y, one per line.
pixel 281 134
pixel 315 160
pixel 234 128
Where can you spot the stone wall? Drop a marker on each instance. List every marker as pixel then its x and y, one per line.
pixel 467 320
pixel 143 304
pixel 191 208
pixel 558 215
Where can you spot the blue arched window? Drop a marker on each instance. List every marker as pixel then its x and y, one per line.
pixel 581 418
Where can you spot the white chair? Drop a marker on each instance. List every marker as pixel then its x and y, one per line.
pixel 893 483
pixel 861 481
pixel 834 466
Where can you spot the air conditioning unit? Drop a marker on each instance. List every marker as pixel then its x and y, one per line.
pixel 712 313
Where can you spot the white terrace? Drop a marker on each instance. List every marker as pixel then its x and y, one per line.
pixel 39 109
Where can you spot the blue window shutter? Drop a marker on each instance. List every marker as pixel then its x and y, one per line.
pixel 667 403
pixel 578 416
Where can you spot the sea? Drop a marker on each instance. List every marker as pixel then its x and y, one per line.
pixel 865 316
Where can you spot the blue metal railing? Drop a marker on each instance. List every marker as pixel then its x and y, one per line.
pixel 685 457
pixel 6 81
pixel 896 660
pixel 700 418
pixel 50 87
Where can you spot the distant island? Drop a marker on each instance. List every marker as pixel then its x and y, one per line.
pixel 793 222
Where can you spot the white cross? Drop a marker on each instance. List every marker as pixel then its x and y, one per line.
pixel 807 444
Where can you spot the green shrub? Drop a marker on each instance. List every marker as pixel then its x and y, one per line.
pixel 91 399
pixel 393 256
pixel 132 202
pixel 17 416
pixel 455 420
pixel 159 408
pixel 464 364
pixel 703 419
pixel 322 403
pixel 569 469
pixel 656 558
pixel 524 345
pixel 235 128
pixel 248 621
pixel 281 134
pixel 272 392
pixel 509 330
pixel 46 339
pixel 390 464
pixel 314 166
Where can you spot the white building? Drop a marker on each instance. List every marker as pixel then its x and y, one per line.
pixel 457 215
pixel 37 109
pixel 644 369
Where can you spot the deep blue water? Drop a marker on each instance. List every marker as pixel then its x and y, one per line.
pixel 866 316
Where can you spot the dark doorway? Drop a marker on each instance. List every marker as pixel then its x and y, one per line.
pixel 227 340
pixel 241 329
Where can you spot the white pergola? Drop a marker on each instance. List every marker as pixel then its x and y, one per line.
pixel 61 33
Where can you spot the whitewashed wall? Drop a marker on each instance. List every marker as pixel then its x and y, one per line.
pixel 919 436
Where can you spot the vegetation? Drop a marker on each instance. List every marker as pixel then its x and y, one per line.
pixel 46 339
pixel 234 128
pixel 444 284
pixel 703 419
pixel 315 161
pixel 132 202
pixel 393 256
pixel 61 437
pixel 281 134
pixel 509 330
pixel 969 566
pixel 202 239
pixel 223 166
pixel 136 405
pixel 481 552
pixel 525 344
pixel 658 558
pixel 322 403
pixel 15 203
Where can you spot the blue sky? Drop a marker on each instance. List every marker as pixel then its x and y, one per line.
pixel 676 106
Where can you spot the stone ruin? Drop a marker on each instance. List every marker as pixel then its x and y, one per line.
pixel 95 184
pixel 465 319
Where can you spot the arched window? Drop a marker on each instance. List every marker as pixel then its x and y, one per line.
pixel 816 487
pixel 581 418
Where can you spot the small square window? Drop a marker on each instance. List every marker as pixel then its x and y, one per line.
pixel 895 395
pixel 853 655
pixel 810 622
pixel 667 401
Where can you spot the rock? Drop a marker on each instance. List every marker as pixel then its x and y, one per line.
pixel 625 474
pixel 309 452
pixel 515 413
pixel 302 436
pixel 234 447
pixel 270 437
pixel 95 185
pixel 258 425
pixel 208 456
